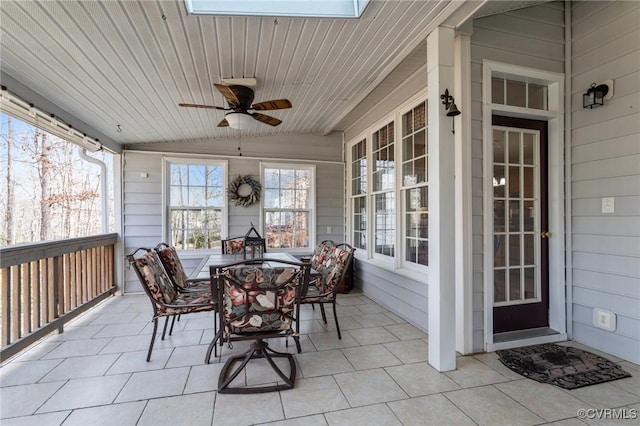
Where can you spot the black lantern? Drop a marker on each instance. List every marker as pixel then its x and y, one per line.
pixel 594 96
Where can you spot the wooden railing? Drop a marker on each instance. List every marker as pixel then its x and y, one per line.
pixel 44 285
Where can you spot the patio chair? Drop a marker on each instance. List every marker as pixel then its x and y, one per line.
pixel 258 303
pixel 332 264
pixel 165 300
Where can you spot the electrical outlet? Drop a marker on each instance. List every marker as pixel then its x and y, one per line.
pixel 329 229
pixel 604 319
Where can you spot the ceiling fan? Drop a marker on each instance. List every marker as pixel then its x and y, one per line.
pixel 240 100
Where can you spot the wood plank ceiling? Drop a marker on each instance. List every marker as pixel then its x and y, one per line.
pixel 129 63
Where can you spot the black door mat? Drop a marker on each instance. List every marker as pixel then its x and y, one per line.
pixel 563 366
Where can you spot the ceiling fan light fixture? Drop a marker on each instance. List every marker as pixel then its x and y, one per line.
pixel 239 120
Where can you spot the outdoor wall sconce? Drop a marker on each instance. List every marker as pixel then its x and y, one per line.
pixel 450 107
pixel 595 96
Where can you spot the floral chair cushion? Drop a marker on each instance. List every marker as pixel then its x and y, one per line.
pixel 334 260
pixel 156 279
pixel 162 291
pixel 259 299
pixel 171 261
pixel 319 254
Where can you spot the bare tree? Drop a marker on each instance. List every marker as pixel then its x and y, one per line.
pixel 10 197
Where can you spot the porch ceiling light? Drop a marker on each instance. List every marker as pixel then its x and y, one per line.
pixel 239 120
pixel 594 96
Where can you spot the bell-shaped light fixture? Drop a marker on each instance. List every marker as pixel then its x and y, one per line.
pixel 594 96
pixel 453 111
pixel 239 120
pixel 450 107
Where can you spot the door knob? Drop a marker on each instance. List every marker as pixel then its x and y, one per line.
pixel 545 234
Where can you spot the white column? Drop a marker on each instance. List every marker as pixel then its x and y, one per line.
pixel 463 199
pixel 440 76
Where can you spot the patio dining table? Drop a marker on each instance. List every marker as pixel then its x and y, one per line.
pixel 202 271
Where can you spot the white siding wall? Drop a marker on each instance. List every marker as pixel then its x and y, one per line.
pixel 605 152
pixel 142 200
pixel 531 37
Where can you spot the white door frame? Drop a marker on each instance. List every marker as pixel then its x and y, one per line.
pixel 555 118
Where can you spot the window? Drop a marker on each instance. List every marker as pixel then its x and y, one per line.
pixel 288 206
pixel 387 199
pixel 414 185
pixel 359 194
pixel 510 92
pixel 384 201
pixel 196 203
pixel 50 189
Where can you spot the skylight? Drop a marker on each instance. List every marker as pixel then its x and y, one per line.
pixel 300 8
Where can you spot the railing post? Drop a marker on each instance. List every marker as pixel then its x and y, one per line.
pixel 6 306
pixel 58 300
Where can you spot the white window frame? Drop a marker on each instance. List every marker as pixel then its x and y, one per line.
pixel 359 253
pixel 312 207
pixel 402 262
pixel 396 263
pixel 166 180
pixel 390 261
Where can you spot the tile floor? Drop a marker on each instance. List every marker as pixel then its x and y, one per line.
pixel 95 373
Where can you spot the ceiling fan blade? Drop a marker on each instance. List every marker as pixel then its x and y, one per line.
pixel 228 94
pixel 203 106
pixel 223 123
pixel 274 104
pixel 271 121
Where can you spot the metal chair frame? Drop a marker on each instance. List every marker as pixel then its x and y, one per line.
pixel 160 307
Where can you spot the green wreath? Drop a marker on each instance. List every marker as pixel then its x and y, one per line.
pixel 244 191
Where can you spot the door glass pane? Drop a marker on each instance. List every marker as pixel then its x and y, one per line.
pixel 514 216
pixel 529 220
pixel 499 137
pixel 499 181
pixel 514 182
pixel 499 250
pixel 499 285
pixel 514 284
pixel 514 250
pixel 527 182
pixel 514 148
pixel 529 250
pixel 528 148
pixel 530 283
pixel 498 216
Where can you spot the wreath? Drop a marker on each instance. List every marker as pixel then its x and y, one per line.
pixel 244 191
